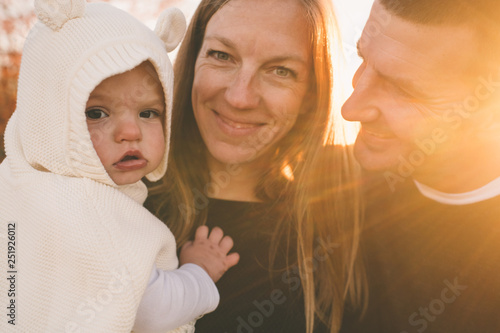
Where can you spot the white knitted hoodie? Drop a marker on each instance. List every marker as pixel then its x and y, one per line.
pixel 84 247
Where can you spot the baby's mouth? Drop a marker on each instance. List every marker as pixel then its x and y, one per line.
pixel 131 160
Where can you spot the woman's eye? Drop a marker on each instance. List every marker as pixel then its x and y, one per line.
pixel 219 55
pixel 283 72
pixel 151 114
pixel 95 114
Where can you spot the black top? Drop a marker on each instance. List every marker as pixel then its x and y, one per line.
pixel 432 267
pixel 253 297
pixel 2 151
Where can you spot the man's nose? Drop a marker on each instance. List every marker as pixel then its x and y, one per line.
pixel 362 104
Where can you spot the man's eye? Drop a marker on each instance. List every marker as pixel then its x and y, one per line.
pixel 95 114
pixel 151 114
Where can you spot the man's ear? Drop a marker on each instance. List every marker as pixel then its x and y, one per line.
pixel 171 27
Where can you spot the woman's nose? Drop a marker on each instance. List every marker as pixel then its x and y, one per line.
pixel 242 92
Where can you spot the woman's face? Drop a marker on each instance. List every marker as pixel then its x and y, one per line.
pixel 251 77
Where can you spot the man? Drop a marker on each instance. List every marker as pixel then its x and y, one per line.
pixel 427 96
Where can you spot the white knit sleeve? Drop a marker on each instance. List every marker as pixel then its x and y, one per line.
pixel 174 298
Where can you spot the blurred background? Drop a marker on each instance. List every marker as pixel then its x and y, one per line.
pixel 17 18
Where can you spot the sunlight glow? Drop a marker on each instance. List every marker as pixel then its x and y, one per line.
pixel 351 17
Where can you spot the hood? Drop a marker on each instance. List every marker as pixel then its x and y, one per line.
pixel 72 48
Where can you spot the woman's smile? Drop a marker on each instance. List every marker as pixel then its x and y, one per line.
pixel 235 127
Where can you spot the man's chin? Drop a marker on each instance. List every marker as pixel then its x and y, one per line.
pixel 376 160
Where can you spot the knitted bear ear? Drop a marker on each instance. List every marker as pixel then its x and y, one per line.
pixel 55 13
pixel 171 27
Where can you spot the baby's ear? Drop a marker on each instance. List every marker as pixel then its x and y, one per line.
pixel 55 13
pixel 171 27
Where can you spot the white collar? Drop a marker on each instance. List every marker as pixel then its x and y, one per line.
pixel 488 191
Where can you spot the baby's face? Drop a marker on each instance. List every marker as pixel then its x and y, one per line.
pixel 125 116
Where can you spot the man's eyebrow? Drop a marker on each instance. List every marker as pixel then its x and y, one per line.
pixel 396 81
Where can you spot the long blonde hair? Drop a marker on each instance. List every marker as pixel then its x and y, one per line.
pixel 321 188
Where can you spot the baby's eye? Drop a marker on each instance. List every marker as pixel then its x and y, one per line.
pixel 151 114
pixel 95 114
pixel 219 55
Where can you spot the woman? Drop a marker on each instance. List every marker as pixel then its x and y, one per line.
pixel 252 108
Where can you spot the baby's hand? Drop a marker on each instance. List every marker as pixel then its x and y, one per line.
pixel 210 252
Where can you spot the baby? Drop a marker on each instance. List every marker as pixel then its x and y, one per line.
pixel 92 119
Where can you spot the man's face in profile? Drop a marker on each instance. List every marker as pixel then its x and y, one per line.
pixel 416 92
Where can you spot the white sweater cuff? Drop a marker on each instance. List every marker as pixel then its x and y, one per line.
pixel 174 298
